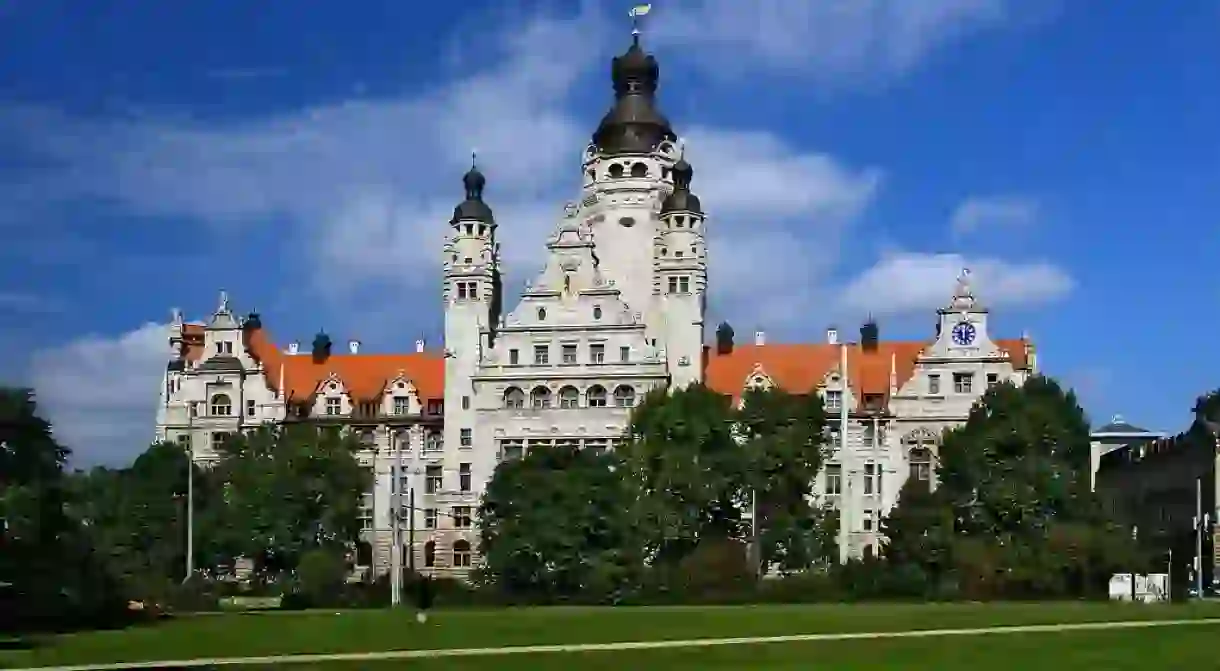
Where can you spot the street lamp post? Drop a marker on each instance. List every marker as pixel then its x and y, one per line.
pixel 190 491
pixel 395 511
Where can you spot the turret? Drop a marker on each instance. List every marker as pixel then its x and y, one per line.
pixel 680 274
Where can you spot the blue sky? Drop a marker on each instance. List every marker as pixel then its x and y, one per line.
pixel 304 155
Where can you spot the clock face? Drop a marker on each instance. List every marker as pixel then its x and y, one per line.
pixel 963 333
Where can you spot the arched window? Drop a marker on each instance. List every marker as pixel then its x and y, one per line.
pixel 461 553
pixel 624 397
pixel 616 170
pixel 596 396
pixel 569 397
pixel 222 406
pixel 430 554
pixel 514 398
pixel 639 170
pixel 540 398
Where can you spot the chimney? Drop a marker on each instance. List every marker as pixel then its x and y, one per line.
pixel 760 338
pixel 294 348
pixel 353 346
pixel 419 347
pixel 870 335
pixel 832 336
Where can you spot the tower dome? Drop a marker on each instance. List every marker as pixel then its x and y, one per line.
pixel 633 125
pixel 681 199
pixel 473 208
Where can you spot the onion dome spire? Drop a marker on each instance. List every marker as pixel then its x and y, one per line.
pixel 473 208
pixel 633 125
pixel 681 199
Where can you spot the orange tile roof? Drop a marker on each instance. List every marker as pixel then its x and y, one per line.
pixel 800 368
pixel 794 367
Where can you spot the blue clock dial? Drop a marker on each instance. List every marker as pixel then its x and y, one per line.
pixel 963 333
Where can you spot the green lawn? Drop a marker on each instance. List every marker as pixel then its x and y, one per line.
pixel 1191 647
pixel 367 631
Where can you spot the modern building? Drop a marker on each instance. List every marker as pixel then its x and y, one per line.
pixel 1166 488
pixel 618 310
pixel 1115 435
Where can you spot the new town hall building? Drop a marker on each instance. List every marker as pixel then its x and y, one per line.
pixel 619 309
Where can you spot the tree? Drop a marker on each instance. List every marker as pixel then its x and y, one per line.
pixel 783 436
pixel 283 491
pixel 560 522
pixel 136 517
pixel 689 468
pixel 48 575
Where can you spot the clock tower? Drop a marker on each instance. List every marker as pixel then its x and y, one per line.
pixel 961 329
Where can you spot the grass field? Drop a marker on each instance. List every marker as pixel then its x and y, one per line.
pixel 370 631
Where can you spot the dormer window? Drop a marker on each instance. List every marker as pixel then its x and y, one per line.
pixel 834 399
pixel 333 406
pixel 224 347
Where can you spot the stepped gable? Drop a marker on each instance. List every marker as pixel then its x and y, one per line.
pixel 799 368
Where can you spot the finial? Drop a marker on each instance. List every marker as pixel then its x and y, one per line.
pixel 635 13
pixel 224 301
pixel 176 316
pixel 681 149
pixel 474 159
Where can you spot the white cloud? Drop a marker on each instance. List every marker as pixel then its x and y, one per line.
pixel 910 283
pixel 982 212
pixel 832 40
pixel 100 393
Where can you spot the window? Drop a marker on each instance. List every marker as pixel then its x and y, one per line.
pixel 595 445
pixel 921 464
pixel 402 405
pixel 684 285
pixel 874 402
pixel 433 479
pixel 434 441
pixel 461 517
pixel 218 439
pixel 569 398
pixel 542 355
pixel 597 312
pixel 624 397
pixel 934 384
pixel 461 554
pixel 673 285
pixel 834 479
pixel 465 403
pixel 222 406
pixel 992 379
pixel 596 396
pixel 639 170
pixel 465 439
pixel 867 522
pixel 963 383
pixel 541 314
pixel 464 477
pixel 514 398
pixel 834 399
pixel 514 357
pixel 870 433
pixel 430 554
pixel 540 398
pixel 430 518
pixel 597 353
pixel 461 289
pixel 333 406
pixel 511 449
pixel 436 406
pixel 367 437
pixel 472 288
pixel 251 407
pixel 624 354
pixel 872 480
pixel 224 347
pixel 569 354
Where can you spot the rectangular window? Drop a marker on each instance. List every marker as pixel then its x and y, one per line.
pixel 219 439
pixel 595 445
pixel 402 405
pixel 511 449
pixel 473 289
pixel 251 408
pixel 434 441
pixel 569 354
pixel 872 474
pixel 333 406
pixel 934 384
pixel 834 400
pixel 624 354
pixel 433 479
pixel 465 403
pixel 461 288
pixel 992 379
pixel 673 285
pixel 461 517
pixel 429 518
pixel 870 433
pixel 514 357
pixel 868 520
pixel 684 285
pixel 963 383
pixel 464 477
pixel 597 353
pixel 542 355
pixel 834 479
pixel 436 406
pixel 465 439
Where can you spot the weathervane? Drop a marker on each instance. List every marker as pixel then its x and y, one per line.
pixel 637 12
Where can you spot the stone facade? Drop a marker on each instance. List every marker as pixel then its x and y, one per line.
pixel 618 310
